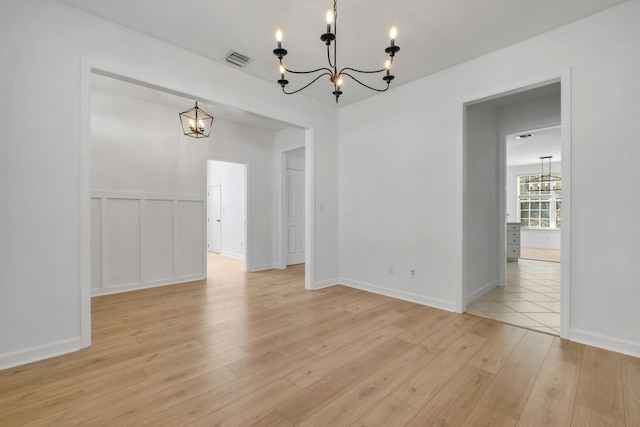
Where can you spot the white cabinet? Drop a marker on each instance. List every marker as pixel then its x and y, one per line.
pixel 513 241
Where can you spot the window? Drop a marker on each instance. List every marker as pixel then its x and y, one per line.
pixel 540 201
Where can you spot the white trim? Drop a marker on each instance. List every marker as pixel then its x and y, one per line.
pixel 602 341
pixel 309 208
pixel 565 230
pixel 262 267
pixel 402 295
pixel 479 292
pixel 537 246
pixel 84 213
pixel 147 196
pixel 145 285
pixel 326 284
pixel 46 351
pixel 233 255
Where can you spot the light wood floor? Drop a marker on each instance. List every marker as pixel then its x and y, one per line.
pixel 257 349
pixel 540 254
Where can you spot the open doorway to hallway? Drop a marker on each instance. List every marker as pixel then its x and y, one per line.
pixel 226 211
pixel 518 136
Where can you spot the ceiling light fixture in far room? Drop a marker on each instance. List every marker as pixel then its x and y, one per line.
pixel 544 183
pixel 196 122
pixel 335 76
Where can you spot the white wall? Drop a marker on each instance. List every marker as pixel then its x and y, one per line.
pixel 295 159
pixel 549 239
pixel 401 173
pixel 44 262
pixel 230 177
pixel 482 219
pixel 535 113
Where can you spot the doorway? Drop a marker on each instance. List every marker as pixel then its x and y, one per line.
pixel 226 209
pixel 295 202
pixel 488 206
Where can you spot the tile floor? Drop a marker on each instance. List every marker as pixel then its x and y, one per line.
pixel 531 298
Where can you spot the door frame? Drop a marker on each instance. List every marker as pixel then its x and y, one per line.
pixel 89 66
pixel 564 77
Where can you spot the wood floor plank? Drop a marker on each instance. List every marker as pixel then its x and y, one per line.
pixel 510 390
pixel 498 348
pixel 587 417
pixel 324 366
pixel 391 412
pixel 247 408
pixel 453 404
pixel 600 385
pixel 631 389
pixel 307 402
pixel 552 399
pixel 485 416
pixel 269 419
pixel 350 406
pixel 566 351
pixel 432 377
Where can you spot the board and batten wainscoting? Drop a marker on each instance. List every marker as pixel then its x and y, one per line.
pixel 141 240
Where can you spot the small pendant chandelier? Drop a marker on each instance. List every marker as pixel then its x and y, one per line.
pixel 196 122
pixel 335 76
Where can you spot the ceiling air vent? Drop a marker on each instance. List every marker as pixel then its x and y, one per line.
pixel 238 59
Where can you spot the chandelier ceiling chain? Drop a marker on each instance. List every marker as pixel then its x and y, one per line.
pixel 335 75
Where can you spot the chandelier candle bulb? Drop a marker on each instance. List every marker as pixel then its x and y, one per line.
pixel 329 20
pixel 279 38
pixel 392 35
pixel 282 70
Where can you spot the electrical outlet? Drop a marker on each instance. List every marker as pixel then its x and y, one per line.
pixel 412 273
pixel 391 271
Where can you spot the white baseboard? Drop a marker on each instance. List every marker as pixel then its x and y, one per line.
pixel 394 293
pixel 232 255
pixel 326 284
pixel 262 267
pixel 146 285
pixel 603 341
pixel 41 352
pixel 479 292
pixel 539 246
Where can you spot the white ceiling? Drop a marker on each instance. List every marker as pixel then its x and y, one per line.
pixel 433 34
pixel 528 151
pixel 181 103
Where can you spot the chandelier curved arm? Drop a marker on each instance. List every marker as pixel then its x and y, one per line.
pixel 365 85
pixel 307 85
pixel 327 70
pixel 362 71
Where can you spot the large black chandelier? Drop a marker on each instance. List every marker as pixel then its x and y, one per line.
pixel 335 75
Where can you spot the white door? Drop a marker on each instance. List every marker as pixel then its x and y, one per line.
pixel 214 218
pixel 295 216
